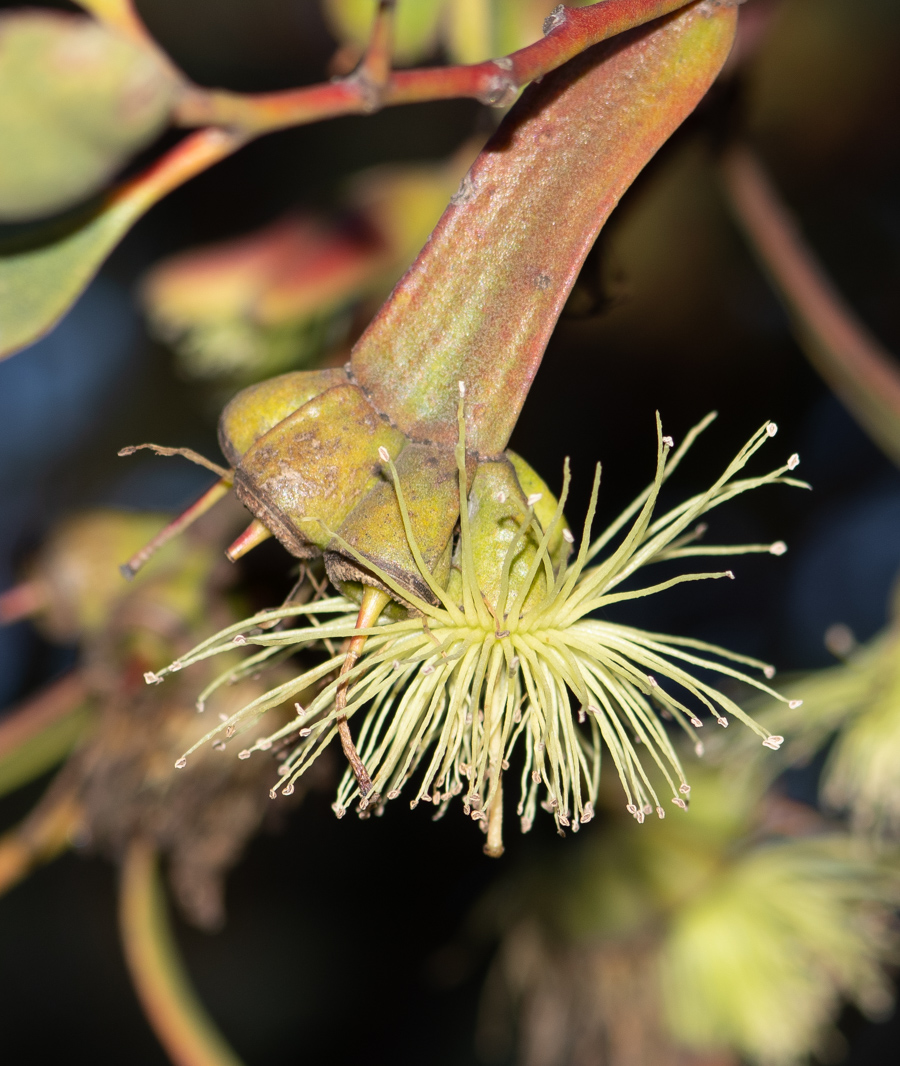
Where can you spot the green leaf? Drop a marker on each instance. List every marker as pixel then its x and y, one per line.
pixel 77 102
pixel 40 733
pixel 43 272
pixel 44 751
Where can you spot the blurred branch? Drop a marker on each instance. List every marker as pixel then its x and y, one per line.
pixel 121 16
pixel 21 601
pixel 568 31
pixel 40 838
pixel 374 72
pixel 863 374
pixel 182 1026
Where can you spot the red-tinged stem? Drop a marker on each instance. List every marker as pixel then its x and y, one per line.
pixel 252 536
pixel 36 714
pixel 373 603
pixel 493 82
pixel 863 373
pixel 40 838
pixel 209 498
pixel 188 158
pixel 182 1026
pixel 22 601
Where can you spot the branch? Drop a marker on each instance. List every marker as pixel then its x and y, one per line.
pixel 188 1035
pixel 862 373
pixel 568 31
pixel 373 74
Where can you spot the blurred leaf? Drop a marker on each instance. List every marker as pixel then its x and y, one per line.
pixel 76 101
pixel 863 374
pixel 469 30
pixel 252 307
pixel 40 733
pixel 415 25
pixel 43 272
pixel 272 300
pixel 41 753
pixel 480 302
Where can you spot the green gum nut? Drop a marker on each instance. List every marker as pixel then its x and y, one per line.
pixel 429 482
pixel 259 408
pixel 304 476
pixel 498 508
pixel 533 485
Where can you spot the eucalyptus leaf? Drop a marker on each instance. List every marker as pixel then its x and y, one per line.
pixel 76 102
pixel 44 270
pixel 42 752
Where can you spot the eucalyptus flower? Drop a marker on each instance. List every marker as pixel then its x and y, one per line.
pixel 511 654
pixel 857 705
pixel 760 959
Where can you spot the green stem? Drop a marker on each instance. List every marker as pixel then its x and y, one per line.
pixel 182 1026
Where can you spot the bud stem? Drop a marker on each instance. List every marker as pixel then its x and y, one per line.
pixel 209 498
pixel 254 535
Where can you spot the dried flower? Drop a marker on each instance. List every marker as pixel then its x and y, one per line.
pixel 456 685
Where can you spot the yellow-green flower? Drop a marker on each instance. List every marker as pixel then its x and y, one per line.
pixel 510 654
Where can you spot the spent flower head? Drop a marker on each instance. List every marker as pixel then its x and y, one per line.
pixel 510 654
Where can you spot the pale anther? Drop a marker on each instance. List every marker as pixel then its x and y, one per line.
pixel 771 429
pixel 383 454
pixel 793 462
pixel 182 762
pixel 568 536
pixel 778 548
pixel 794 704
pixel 245 754
pixel 534 498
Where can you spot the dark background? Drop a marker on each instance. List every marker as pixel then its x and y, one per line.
pixel 343 942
